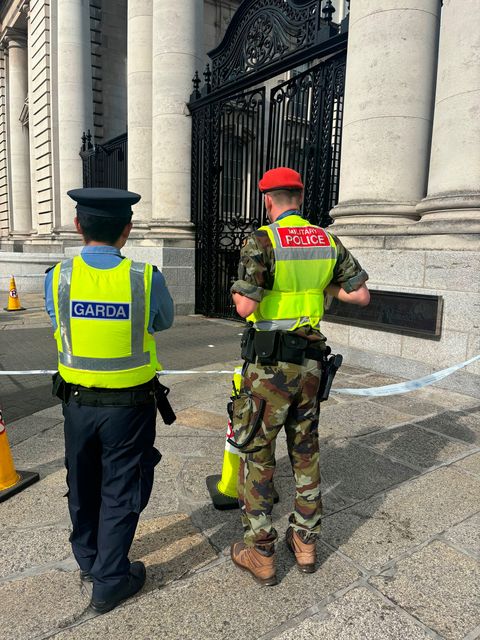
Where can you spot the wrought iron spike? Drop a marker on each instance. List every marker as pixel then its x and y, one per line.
pixel 207 74
pixel 84 141
pixel 328 11
pixel 348 5
pixel 89 140
pixel 196 84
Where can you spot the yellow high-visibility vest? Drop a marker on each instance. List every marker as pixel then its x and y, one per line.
pixel 305 257
pixel 102 324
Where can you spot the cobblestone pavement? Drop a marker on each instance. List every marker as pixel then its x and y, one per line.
pixel 399 547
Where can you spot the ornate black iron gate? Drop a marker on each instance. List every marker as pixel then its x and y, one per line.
pixel 274 97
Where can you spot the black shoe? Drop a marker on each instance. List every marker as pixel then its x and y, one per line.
pixel 86 576
pixel 135 581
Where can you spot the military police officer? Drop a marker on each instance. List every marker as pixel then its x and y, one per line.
pixel 286 268
pixel 104 309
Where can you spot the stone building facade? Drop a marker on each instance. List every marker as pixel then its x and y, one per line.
pixel 409 202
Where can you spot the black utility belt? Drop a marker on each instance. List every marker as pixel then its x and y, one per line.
pixel 143 394
pixel 268 348
pixel 112 397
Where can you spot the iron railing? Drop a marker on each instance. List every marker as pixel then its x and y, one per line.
pixel 104 165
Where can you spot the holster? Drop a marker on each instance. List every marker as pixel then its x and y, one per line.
pixel 331 363
pixel 60 388
pixel 163 405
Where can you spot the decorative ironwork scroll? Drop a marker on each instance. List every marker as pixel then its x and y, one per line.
pixel 265 31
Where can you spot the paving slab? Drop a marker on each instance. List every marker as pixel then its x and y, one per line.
pixel 446 601
pixel 33 606
pixel 164 497
pixel 171 547
pixel 211 446
pixel 41 504
pixel 201 419
pixel 38 450
pixel 343 465
pixel 358 615
pixel 31 425
pixel 353 419
pixel 192 478
pixel 415 446
pixel 413 403
pixel 466 535
pixel 463 425
pixel 30 548
pixel 177 430
pixel 470 464
pixel 220 527
pixel 374 532
pixel 201 607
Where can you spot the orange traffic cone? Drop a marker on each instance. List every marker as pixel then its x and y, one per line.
pixel 13 299
pixel 11 481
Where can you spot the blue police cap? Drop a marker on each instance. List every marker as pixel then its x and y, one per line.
pixel 104 203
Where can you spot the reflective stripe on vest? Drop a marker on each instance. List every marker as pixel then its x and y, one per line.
pixel 102 319
pixel 305 256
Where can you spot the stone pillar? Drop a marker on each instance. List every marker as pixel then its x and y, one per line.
pixel 177 52
pixel 454 179
pixel 390 77
pixel 18 139
pixel 74 98
pixel 139 91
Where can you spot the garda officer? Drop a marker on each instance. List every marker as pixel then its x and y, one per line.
pixel 104 309
pixel 286 267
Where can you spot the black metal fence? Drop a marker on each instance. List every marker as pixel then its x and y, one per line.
pixel 104 165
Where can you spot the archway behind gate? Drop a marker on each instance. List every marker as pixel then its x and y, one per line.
pixel 272 96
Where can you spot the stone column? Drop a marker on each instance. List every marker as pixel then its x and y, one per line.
pixel 139 91
pixel 74 98
pixel 391 66
pixel 177 52
pixel 454 179
pixel 18 139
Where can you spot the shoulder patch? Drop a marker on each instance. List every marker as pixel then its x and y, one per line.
pixel 154 267
pixel 49 268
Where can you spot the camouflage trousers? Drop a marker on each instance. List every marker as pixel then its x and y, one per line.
pixel 289 392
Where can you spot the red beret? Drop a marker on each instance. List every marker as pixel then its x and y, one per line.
pixel 280 178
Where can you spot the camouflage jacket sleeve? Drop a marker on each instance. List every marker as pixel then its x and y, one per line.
pixel 348 272
pixel 256 268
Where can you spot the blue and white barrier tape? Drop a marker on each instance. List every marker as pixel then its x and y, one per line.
pixel 387 390
pixel 411 385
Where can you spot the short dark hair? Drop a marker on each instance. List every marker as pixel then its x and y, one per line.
pixel 101 229
pixel 285 196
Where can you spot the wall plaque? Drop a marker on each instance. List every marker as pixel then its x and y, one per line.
pixel 405 313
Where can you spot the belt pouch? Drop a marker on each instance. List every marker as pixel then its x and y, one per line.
pixel 266 347
pixel 292 348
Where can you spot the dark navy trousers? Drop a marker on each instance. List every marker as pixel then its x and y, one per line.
pixel 110 460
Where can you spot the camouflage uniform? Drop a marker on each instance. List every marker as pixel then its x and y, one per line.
pixel 290 393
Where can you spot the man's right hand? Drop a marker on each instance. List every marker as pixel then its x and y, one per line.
pixel 361 296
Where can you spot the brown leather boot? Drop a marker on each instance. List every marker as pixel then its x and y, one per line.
pixel 305 552
pixel 261 567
